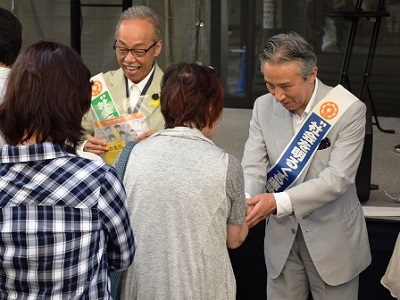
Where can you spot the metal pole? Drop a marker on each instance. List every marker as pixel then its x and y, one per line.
pixel 167 44
pixel 344 76
pixel 199 32
pixel 14 7
pixel 76 25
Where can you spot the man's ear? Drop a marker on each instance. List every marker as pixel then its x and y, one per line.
pixel 313 74
pixel 158 48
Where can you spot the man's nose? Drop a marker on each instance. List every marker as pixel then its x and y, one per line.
pixel 130 57
pixel 279 94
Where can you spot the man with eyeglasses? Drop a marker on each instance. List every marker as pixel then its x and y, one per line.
pixel 137 44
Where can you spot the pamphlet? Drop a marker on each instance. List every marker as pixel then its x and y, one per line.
pixel 115 124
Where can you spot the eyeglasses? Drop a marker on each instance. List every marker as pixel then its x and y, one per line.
pixel 135 52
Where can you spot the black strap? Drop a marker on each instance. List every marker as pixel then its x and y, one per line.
pixel 120 166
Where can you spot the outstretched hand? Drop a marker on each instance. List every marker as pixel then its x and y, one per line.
pixel 259 207
pixel 145 135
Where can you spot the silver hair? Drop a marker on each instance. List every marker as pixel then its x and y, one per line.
pixel 289 47
pixel 144 13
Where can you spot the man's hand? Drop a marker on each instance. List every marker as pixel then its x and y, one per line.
pixel 99 146
pixel 260 207
pixel 144 135
pixel 95 145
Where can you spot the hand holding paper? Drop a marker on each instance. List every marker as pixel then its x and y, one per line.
pixel 96 145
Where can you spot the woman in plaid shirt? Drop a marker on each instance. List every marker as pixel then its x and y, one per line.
pixel 63 218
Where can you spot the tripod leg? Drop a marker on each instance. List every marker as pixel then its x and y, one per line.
pixel 375 115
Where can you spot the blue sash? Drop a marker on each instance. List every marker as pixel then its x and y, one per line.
pixel 298 154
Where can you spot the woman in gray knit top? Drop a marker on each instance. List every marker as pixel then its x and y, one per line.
pixel 185 196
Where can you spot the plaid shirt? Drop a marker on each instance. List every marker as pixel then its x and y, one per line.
pixel 63 224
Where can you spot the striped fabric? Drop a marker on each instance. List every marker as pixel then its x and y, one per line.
pixel 63 225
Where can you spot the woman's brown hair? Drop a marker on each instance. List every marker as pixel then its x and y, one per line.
pixel 191 96
pixel 48 93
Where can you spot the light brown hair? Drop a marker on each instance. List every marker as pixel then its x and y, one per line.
pixel 191 96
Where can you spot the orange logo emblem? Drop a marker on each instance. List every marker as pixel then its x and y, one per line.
pixel 329 110
pixel 96 88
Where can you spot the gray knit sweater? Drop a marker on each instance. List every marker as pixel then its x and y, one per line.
pixel 182 192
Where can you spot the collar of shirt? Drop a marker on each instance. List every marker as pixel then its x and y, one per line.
pixel 30 153
pixel 299 120
pixel 140 86
pixel 4 73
